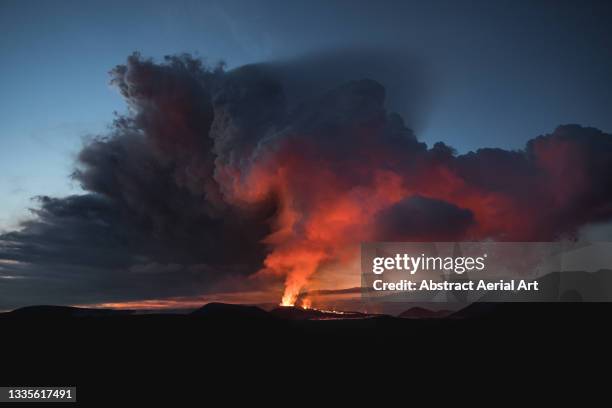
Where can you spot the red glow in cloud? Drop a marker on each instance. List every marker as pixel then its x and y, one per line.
pixel 339 169
pixel 320 213
pixel 221 174
pixel 324 213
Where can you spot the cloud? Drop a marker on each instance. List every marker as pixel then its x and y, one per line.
pixel 270 171
pixel 418 218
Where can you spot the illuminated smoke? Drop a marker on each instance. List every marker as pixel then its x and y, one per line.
pixel 228 171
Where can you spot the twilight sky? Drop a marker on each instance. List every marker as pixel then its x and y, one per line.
pixel 263 178
pixel 498 73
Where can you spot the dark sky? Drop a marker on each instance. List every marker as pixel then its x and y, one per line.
pixel 497 73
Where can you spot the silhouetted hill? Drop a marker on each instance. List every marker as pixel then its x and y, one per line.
pixel 422 313
pixel 232 312
pixel 49 311
pixel 55 345
pixel 549 312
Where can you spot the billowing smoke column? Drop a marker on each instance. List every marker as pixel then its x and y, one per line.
pixel 343 170
pixel 209 159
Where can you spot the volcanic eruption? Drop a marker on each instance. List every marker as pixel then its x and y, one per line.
pixel 216 172
pixel 343 170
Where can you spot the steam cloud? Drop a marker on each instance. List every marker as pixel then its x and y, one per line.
pixel 215 174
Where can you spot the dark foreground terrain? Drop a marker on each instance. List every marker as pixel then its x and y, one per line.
pixel 113 351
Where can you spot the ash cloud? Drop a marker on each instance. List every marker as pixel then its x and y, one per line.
pixel 418 218
pixel 273 170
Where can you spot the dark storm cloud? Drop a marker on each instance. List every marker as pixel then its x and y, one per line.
pixel 172 108
pixel 152 204
pixel 214 173
pixel 157 166
pixel 409 88
pixel 85 229
pixel 557 183
pixel 87 249
pixel 420 218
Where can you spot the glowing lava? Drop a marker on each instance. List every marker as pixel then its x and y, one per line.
pixel 306 303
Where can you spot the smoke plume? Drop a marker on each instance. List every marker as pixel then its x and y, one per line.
pixel 224 173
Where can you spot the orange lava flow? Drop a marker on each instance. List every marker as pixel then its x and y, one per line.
pixel 306 303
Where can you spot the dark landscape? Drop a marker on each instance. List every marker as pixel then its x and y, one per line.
pixel 144 356
pixel 67 328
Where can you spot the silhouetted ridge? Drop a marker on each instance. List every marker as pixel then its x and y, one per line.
pixel 65 311
pixel 231 311
pixel 422 313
